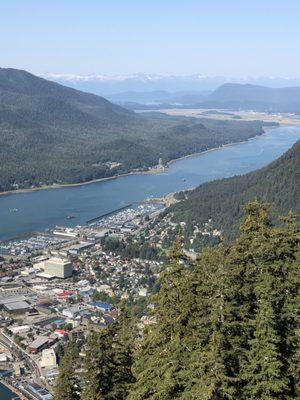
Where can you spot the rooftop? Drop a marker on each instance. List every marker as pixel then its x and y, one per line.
pixel 17 305
pixel 38 342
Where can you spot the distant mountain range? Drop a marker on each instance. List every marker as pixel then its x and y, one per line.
pixel 156 91
pixel 230 96
pixel 51 133
pixel 222 200
pixel 107 85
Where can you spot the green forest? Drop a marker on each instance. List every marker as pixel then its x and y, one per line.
pixel 223 200
pixel 223 327
pixel 51 134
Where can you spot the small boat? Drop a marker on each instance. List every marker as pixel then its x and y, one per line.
pixel 13 210
pixel 70 216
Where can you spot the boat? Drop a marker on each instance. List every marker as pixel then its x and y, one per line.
pixel 70 216
pixel 13 210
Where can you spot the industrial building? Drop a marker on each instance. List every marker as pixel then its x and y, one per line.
pixel 58 267
pixel 79 248
pixel 15 304
pixel 40 343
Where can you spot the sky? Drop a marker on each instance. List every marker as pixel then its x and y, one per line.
pixel 179 37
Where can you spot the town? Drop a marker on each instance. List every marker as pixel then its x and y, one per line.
pixel 63 284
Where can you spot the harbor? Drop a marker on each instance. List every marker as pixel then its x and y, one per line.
pixel 122 220
pixel 45 209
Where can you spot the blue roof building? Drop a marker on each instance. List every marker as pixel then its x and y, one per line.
pixel 104 307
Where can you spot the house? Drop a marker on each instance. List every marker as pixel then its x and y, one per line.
pixel 104 307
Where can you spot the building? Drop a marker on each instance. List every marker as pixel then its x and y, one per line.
pixel 64 294
pixel 38 392
pixel 58 267
pixel 48 359
pixel 15 305
pixel 104 307
pixel 75 311
pixel 19 329
pixel 79 248
pixel 40 343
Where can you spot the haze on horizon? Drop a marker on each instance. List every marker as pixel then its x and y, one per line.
pixel 215 38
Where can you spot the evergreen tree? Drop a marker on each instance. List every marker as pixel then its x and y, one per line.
pixel 264 370
pixel 242 274
pixel 108 360
pixel 97 367
pixel 67 384
pixel 207 374
pixel 266 301
pixel 161 353
pixel 123 335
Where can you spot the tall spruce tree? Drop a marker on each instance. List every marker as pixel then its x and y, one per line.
pixel 108 360
pixel 160 357
pixel 242 274
pixel 123 337
pixel 266 264
pixel 67 384
pixel 207 373
pixel 264 371
pixel 97 367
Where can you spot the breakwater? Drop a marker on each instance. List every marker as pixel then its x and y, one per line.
pixel 90 221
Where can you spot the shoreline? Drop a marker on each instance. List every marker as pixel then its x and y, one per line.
pixel 13 390
pixel 152 170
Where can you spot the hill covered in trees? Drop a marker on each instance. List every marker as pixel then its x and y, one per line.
pixel 50 133
pixel 231 96
pixel 223 328
pixel 260 98
pixel 223 200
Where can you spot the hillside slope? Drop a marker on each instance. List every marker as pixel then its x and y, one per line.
pixel 223 200
pixel 260 98
pixel 50 133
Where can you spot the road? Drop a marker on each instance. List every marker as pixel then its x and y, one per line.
pixel 19 353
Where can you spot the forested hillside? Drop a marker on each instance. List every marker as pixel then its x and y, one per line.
pixel 260 98
pixel 53 134
pixel 231 96
pixel 223 328
pixel 223 200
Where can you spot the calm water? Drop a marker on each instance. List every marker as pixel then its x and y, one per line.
pixel 6 394
pixel 44 209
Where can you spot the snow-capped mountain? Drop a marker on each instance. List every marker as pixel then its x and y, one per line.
pixel 102 84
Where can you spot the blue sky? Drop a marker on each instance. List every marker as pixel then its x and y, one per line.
pixel 215 37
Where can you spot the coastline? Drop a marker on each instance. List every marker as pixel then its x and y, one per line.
pixel 13 390
pixel 152 170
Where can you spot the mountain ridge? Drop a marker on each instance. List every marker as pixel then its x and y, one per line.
pixel 223 200
pixel 52 134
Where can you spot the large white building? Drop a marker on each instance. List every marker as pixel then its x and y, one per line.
pixel 58 267
pixel 48 359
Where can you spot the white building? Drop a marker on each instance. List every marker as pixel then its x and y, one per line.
pixel 58 267
pixel 48 359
